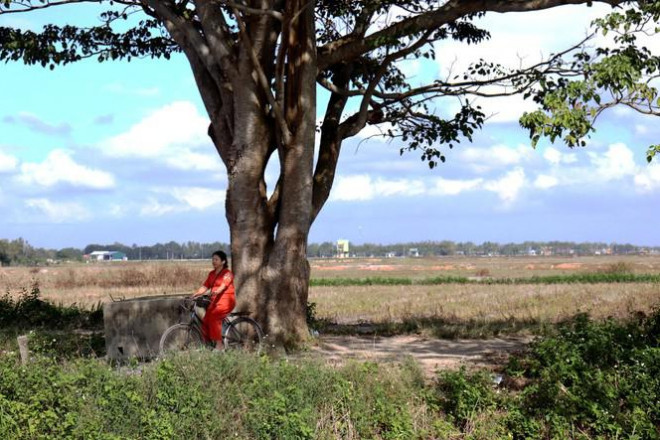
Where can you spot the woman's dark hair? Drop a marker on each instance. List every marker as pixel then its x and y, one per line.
pixel 222 256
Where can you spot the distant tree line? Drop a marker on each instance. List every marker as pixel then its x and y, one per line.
pixel 20 252
pixel 488 248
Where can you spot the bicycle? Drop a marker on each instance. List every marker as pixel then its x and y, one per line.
pixel 238 331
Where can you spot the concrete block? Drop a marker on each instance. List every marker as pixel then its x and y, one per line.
pixel 133 327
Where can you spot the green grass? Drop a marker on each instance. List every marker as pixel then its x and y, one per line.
pixel 583 278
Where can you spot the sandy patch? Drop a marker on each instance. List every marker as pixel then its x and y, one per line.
pixel 332 268
pixel 382 267
pixel 568 266
pixel 432 354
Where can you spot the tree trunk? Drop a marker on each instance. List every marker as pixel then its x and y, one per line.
pixel 269 234
pixel 269 248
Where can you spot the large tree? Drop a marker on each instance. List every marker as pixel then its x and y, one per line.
pixel 258 63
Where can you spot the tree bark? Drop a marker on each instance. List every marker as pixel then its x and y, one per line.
pixel 269 234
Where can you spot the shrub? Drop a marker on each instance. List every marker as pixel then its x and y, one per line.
pixel 599 378
pixel 620 267
pixel 30 311
pixel 462 395
pixel 205 395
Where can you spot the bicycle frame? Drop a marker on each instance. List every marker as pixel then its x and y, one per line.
pixel 196 322
pixel 238 330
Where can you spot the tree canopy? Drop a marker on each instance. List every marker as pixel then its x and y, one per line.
pixel 357 58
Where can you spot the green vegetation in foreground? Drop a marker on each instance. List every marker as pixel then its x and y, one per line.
pixel 61 331
pixel 584 278
pixel 589 380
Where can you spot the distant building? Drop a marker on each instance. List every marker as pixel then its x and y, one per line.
pixel 106 256
pixel 342 249
pixel 413 252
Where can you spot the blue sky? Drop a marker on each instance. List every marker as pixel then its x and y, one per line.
pixel 98 153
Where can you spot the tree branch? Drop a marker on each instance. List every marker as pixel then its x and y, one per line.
pixel 215 30
pixel 350 47
pixel 254 11
pixel 279 117
pixel 27 6
pixel 349 130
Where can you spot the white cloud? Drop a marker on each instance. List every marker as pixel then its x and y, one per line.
pixel 449 187
pixel 497 156
pixel 117 211
pixel 616 163
pixel 166 133
pixel 648 177
pixel 508 187
pixel 181 199
pixel 399 187
pixel 187 160
pixel 7 163
pixel 154 208
pixel 59 212
pixel 544 181
pixel 353 188
pixel 362 187
pixel 556 157
pixel 199 198
pixel 552 155
pixel 59 167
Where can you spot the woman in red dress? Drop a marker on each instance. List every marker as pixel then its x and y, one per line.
pixel 223 299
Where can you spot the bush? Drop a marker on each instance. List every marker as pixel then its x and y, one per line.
pixel 599 378
pixel 29 311
pixel 462 395
pixel 205 395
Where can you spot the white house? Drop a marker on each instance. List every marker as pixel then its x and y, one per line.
pixel 107 256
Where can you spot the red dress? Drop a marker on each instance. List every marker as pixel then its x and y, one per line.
pixel 223 300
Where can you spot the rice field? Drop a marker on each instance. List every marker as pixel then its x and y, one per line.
pixel 90 284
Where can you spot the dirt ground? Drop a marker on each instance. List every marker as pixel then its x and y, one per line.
pixel 432 354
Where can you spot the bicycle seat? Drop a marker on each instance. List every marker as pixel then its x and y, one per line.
pixel 239 314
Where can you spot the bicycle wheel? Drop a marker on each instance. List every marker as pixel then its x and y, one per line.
pixel 243 334
pixel 180 337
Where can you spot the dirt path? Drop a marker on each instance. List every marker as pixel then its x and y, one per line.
pixel 432 354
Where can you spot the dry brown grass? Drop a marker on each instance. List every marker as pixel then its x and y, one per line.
pixel 88 284
pixel 496 267
pixel 93 283
pixel 543 303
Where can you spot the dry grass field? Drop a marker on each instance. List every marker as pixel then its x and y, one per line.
pixel 90 284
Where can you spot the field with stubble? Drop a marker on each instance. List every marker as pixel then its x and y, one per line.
pixel 380 290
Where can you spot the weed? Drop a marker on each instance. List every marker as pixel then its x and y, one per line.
pixel 482 273
pixel 620 267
